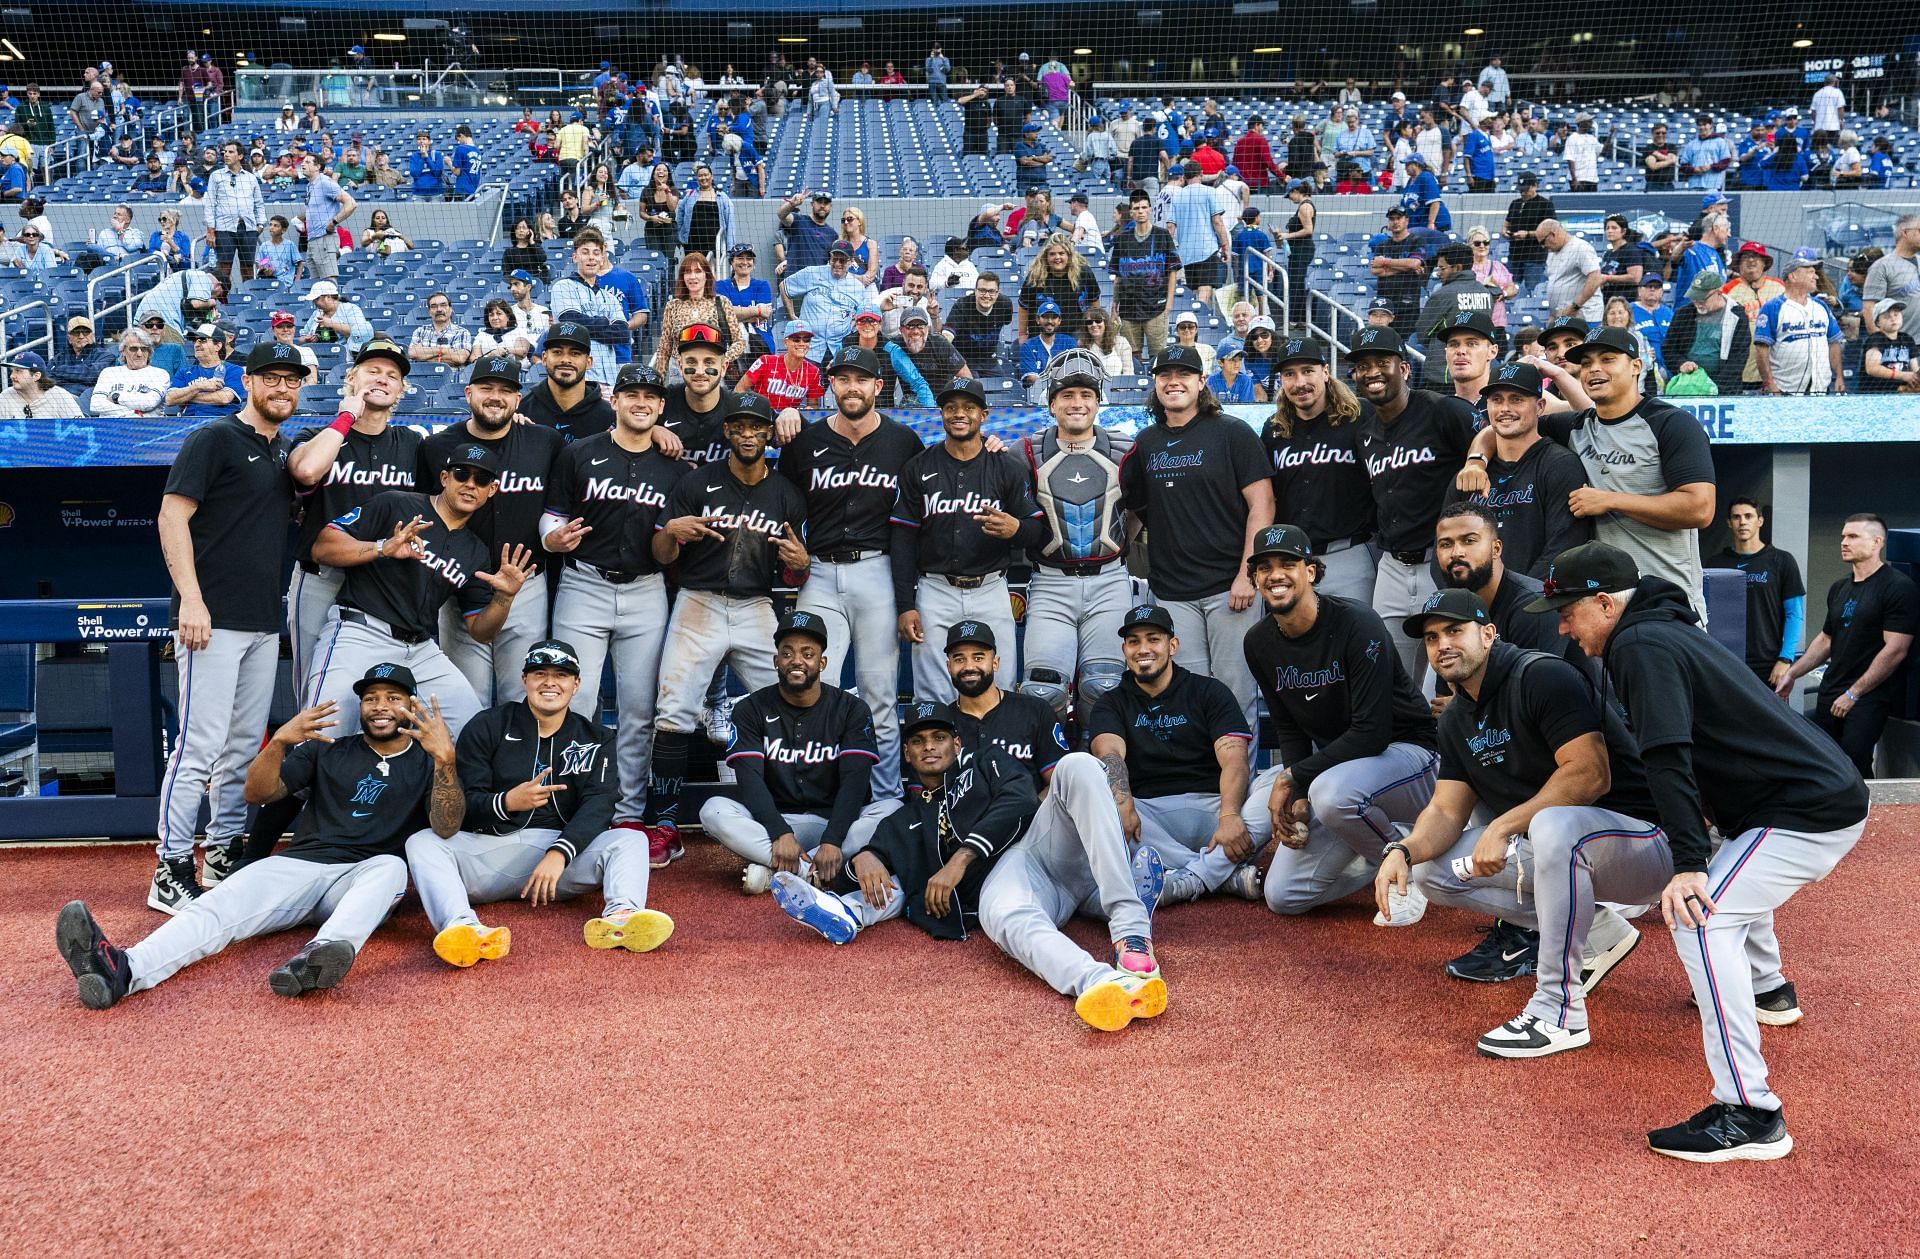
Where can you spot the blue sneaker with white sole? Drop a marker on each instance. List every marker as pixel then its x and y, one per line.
pixel 1149 877
pixel 811 907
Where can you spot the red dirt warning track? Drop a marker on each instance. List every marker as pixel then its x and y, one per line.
pixel 1312 1089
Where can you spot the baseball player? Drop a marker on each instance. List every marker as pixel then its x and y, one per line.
pixel 565 400
pixel 1530 479
pixel 1080 586
pixel 803 755
pixel 1776 595
pixel 848 469
pixel 343 869
pixel 603 501
pixel 1529 739
pixel 221 534
pixel 1200 481
pixel 732 530
pixel 540 796
pixel 511 518
pixel 963 514
pixel 1319 476
pixel 1469 554
pixel 1174 744
pixel 1356 740
pixel 1716 743
pixel 406 555
pixel 1017 726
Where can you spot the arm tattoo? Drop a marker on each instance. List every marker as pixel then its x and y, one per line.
pixel 447 806
pixel 1116 767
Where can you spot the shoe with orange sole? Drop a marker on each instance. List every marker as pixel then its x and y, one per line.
pixel 641 931
pixel 465 943
pixel 1113 1003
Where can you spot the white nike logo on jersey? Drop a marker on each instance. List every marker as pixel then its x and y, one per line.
pixel 773 719
pixel 928 476
pixel 598 462
pixel 512 738
pixel 1310 696
pixel 253 458
pixel 713 489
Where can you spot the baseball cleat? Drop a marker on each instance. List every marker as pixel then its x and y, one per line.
pixel 1724 1133
pixel 322 964
pixel 1113 1003
pixel 1134 955
pixel 1181 886
pixel 220 861
pixel 1528 1037
pixel 811 907
pixel 1601 964
pixel 1408 907
pixel 100 970
pixel 175 885
pixel 718 723
pixel 1246 881
pixel 1507 952
pixel 465 943
pixel 756 879
pixel 1149 877
pixel 638 931
pixel 1779 1007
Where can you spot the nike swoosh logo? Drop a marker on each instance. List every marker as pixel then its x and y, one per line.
pixel 368 813
pixel 929 476
pixel 253 458
pixel 512 738
pixel 1514 956
pixel 1171 445
pixel 598 462
pixel 713 489
pixel 1310 698
pixel 771 720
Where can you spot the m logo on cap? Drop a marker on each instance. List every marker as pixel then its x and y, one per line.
pixel 1433 601
pixel 1296 346
pixel 969 627
pixel 1369 336
pixel 1142 612
pixel 922 710
pixel 1510 371
pixel 474 452
pixel 383 671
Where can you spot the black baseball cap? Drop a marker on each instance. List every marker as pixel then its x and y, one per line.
pixel 275 356
pixel 747 406
pixel 567 332
pixel 1289 540
pixel 1300 350
pixel 1147 614
pixel 1620 339
pixel 639 376
pixel 1178 358
pixel 919 716
pixel 963 386
pixel 811 624
pixel 1565 323
pixel 384 346
pixel 473 455
pixel 1449 605
pixel 855 358
pixel 390 674
pixel 1518 377
pixel 504 368
pixel 698 336
pixel 1587 569
pixel 971 632
pixel 1478 322
pixel 1377 341
pixel 551 653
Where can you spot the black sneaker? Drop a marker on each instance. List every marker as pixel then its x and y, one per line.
pixel 175 885
pixel 100 969
pixel 1723 1134
pixel 321 964
pixel 222 860
pixel 1508 952
pixel 1778 1008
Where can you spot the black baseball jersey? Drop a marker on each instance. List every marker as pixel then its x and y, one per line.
pixel 1528 499
pixel 1530 706
pixel 1338 692
pixel 1320 480
pixel 744 561
pixel 366 465
pixel 1078 492
pixel 850 487
pixel 526 453
pixel 620 494
pixel 1019 726
pixel 407 594
pixel 1411 463
pixel 239 481
pixel 1170 736
pixel 698 431
pixel 1773 577
pixel 1188 485
pixel 503 747
pixel 1859 614
pixel 359 803
pixel 592 414
pixel 934 528
pixel 816 759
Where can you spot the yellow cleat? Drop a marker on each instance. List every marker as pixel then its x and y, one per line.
pixel 641 931
pixel 464 944
pixel 1112 1004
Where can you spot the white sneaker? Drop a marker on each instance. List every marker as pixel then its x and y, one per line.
pixel 811 907
pixel 1407 908
pixel 1245 881
pixel 756 879
pixel 1528 1037
pixel 1597 967
pixel 1181 886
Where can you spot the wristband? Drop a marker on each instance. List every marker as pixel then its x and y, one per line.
pixel 1397 846
pixel 342 423
pixel 1852 696
pixel 1476 457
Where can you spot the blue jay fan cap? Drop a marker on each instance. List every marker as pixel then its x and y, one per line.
pixel 389 674
pixel 275 356
pixel 1447 605
pixel 1299 350
pixel 1588 569
pixel 920 716
pixel 551 653
pixel 1046 306
pixel 971 633
pixel 28 359
pixel 1377 341
pixel 1380 303
pixel 1147 614
pixel 474 455
pixel 1517 378
pixel 1802 258
pixel 504 368
pixel 810 624
pixel 1289 540
pixel 521 274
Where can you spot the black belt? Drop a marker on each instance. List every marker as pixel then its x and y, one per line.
pixel 1080 570
pixel 959 582
pixel 310 568
pixel 1412 557
pixel 845 557
pixel 400 636
pixel 609 575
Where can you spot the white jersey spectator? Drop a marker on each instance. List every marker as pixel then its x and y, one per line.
pixel 1797 337
pixel 133 387
pixel 1582 154
pixel 1829 108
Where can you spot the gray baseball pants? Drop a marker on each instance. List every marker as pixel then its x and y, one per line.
pixel 452 875
pixel 1351 572
pixel 1073 622
pixel 1213 641
pixel 347 649
pixel 856 602
pixel 1179 828
pixel 493 669
pixel 226 690
pixel 1400 590
pixel 942 604
pixel 706 631
pixel 1354 810
pixel 598 618
pixel 309 597
pixel 729 822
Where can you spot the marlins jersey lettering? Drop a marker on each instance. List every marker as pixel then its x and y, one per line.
pixel 1320 479
pixel 1021 727
pixel 619 493
pixel 850 487
pixel 1170 736
pixel 749 517
pixel 1188 484
pixel 366 465
pixel 939 497
pixel 526 453
pixel 698 431
pixel 407 594
pixel 799 750
pixel 1412 461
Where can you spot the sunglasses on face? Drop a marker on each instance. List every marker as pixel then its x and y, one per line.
pixel 478 476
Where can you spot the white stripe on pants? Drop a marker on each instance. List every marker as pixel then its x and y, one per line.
pixel 454 874
pixel 942 604
pixel 347 649
pixel 1075 621
pixel 706 631
pixel 1400 590
pixel 597 618
pixel 493 669
pixel 1213 641
pixel 226 690
pixel 1354 809
pixel 728 821
pixel 856 602
pixel 309 597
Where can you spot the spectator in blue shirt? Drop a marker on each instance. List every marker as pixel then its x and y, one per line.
pixel 427 166
pixel 1038 350
pixel 1421 199
pixel 152 177
pixel 1651 314
pixel 1880 163
pixel 13 177
pixel 1228 383
pixel 466 162
pixel 1250 236
pixel 828 298
pixel 209 385
pixel 633 295
pixel 1030 159
pixel 807 237
pixel 751 298
pixel 1477 148
pixel 1755 152
pixel 1706 158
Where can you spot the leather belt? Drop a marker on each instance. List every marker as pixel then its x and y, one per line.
pixel 1080 570
pixel 959 582
pixel 845 557
pixel 1412 557
pixel 373 622
pixel 609 575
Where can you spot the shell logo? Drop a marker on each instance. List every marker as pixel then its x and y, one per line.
pixel 6 515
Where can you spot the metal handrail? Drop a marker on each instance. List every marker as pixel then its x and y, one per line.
pixel 1330 330
pixel 42 342
pixel 1263 287
pixel 125 271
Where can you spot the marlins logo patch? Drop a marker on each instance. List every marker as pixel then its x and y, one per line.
pixel 578 758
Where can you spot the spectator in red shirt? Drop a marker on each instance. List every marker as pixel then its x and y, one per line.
pixel 788 381
pixel 1211 161
pixel 1254 156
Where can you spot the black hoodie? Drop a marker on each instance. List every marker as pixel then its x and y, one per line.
pixel 1715 740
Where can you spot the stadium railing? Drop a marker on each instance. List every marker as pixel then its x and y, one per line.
pixel 25 313
pixel 112 290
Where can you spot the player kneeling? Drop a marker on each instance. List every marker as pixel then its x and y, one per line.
pixel 343 868
pixel 540 784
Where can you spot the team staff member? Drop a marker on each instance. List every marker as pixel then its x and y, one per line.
pixel 1412 451
pixel 1356 740
pixel 1872 614
pixel 540 794
pixel 221 532
pixel 566 400
pixel 1530 740
pixel 343 869
pixel 964 512
pixel 803 754
pixel 408 554
pixel 1319 476
pixel 1716 744
pixel 847 468
pixel 1201 483
pixel 603 502
pixel 1016 725
pixel 1531 480
pixel 1776 597
pixel 1174 744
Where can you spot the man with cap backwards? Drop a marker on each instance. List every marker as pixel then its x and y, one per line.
pixel 603 502
pixel 804 756
pixel 689 425
pixel 1530 479
pixel 221 531
pixel 524 455
pixel 1319 476
pixel 1355 739
pixel 963 514
pixel 343 870
pixel 1174 744
pixel 565 400
pixel 731 533
pixel 1718 744
pixel 1797 339
pixel 848 468
pixel 1200 482
pixel 1528 738
pixel 540 795
pixel 1413 448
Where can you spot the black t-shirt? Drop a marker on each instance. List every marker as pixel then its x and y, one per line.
pixel 1525 214
pixel 1623 257
pixel 800 749
pixel 407 594
pixel 849 487
pixel 699 431
pixel 1773 577
pixel 355 809
pixel 1402 288
pixel 526 453
pixel 618 493
pixel 976 333
pixel 937 362
pixel 1170 736
pixel 1188 484
pixel 1319 479
pixel 1896 353
pixel 1020 726
pixel 592 414
pixel 1411 464
pixel 1338 692
pixel 366 465
pixel 1072 300
pixel 935 531
pixel 1140 268
pixel 1143 157
pixel 1299 161
pixel 744 561
pixel 245 498
pixel 1010 114
pixel 1664 177
pixel 1528 499
pixel 1859 613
